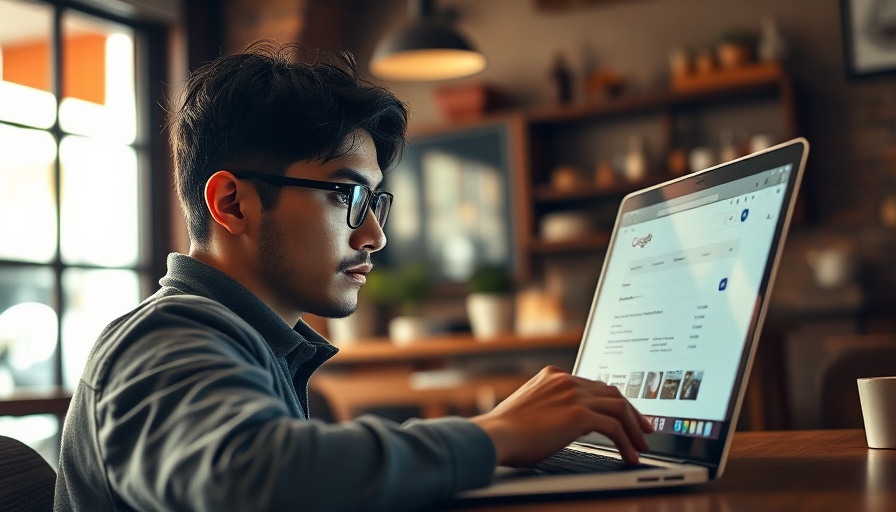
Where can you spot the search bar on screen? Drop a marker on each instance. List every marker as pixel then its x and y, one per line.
pixel 688 205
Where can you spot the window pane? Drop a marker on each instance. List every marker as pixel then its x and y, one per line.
pixel 39 431
pixel 98 97
pixel 26 72
pixel 99 203
pixel 93 298
pixel 27 195
pixel 28 328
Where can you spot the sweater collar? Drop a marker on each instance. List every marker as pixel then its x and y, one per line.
pixel 189 275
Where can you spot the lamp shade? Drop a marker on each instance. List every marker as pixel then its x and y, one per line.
pixel 426 49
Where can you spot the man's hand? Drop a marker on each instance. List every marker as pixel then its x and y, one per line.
pixel 553 409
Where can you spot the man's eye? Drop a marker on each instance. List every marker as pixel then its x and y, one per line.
pixel 343 197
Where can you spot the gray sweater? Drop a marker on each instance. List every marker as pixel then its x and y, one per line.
pixel 198 400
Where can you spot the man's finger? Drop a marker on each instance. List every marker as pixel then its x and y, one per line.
pixel 613 429
pixel 625 414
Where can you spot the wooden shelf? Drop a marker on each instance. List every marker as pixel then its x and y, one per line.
pixel 593 242
pixel 28 402
pixel 586 110
pixel 442 347
pixel 746 84
pixel 736 78
pixel 548 194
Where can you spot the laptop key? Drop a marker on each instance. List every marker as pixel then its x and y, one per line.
pixel 568 461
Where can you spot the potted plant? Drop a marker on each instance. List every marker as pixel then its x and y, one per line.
pixel 404 290
pixel 735 48
pixel 490 302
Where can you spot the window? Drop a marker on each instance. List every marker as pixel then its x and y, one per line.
pixel 74 182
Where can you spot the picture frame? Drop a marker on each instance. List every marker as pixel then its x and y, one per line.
pixel 869 41
pixel 454 204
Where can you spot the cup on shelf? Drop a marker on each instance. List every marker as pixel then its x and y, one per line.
pixel 566 177
pixel 761 141
pixel 878 398
pixel 559 226
pixel 701 158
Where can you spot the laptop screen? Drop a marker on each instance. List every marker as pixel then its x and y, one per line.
pixel 682 288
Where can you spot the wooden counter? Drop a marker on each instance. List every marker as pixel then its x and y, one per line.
pixel 786 471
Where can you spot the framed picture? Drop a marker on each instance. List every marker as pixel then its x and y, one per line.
pixel 869 36
pixel 453 204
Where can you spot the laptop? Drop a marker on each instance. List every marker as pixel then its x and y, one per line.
pixel 675 322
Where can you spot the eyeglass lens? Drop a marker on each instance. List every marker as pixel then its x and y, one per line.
pixel 360 202
pixel 383 205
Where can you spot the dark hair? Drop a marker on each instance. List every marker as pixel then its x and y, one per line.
pixel 268 108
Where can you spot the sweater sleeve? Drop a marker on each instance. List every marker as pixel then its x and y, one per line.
pixel 189 419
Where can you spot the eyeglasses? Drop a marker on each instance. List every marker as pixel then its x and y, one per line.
pixel 358 198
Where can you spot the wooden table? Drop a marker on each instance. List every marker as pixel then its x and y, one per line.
pixel 820 470
pixel 377 373
pixel 26 402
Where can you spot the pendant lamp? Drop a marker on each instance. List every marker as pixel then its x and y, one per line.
pixel 427 48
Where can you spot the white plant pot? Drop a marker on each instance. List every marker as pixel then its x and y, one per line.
pixel 490 314
pixel 359 325
pixel 405 330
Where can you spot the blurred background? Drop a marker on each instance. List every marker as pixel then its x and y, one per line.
pixel 505 196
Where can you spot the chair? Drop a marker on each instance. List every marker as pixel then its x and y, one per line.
pixel 27 481
pixel 840 407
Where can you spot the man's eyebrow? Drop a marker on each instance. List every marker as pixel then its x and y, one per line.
pixel 352 175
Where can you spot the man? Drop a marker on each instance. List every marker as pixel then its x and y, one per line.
pixel 197 399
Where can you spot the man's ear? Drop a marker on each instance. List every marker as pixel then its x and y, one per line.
pixel 228 200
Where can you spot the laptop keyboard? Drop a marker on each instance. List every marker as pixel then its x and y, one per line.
pixel 568 461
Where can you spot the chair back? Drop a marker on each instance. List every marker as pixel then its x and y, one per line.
pixel 27 481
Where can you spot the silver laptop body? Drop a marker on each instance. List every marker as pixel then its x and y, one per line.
pixel 676 318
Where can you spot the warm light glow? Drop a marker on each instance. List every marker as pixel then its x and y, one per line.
pixel 99 203
pixel 93 298
pixel 28 334
pixel 26 105
pixel 117 119
pixel 431 64
pixel 27 195
pixel 34 430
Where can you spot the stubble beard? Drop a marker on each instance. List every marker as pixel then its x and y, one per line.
pixel 278 274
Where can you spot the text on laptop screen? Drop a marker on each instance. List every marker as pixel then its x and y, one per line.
pixel 677 298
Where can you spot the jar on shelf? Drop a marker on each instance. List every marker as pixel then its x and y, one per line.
pixel 680 63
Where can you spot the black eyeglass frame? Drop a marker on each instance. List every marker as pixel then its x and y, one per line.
pixel 371 203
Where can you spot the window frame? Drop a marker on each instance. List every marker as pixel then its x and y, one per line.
pixel 152 46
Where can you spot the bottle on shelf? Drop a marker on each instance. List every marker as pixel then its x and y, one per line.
pixel 772 47
pixel 560 81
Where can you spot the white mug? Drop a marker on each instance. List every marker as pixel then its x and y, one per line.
pixel 832 267
pixel 878 398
